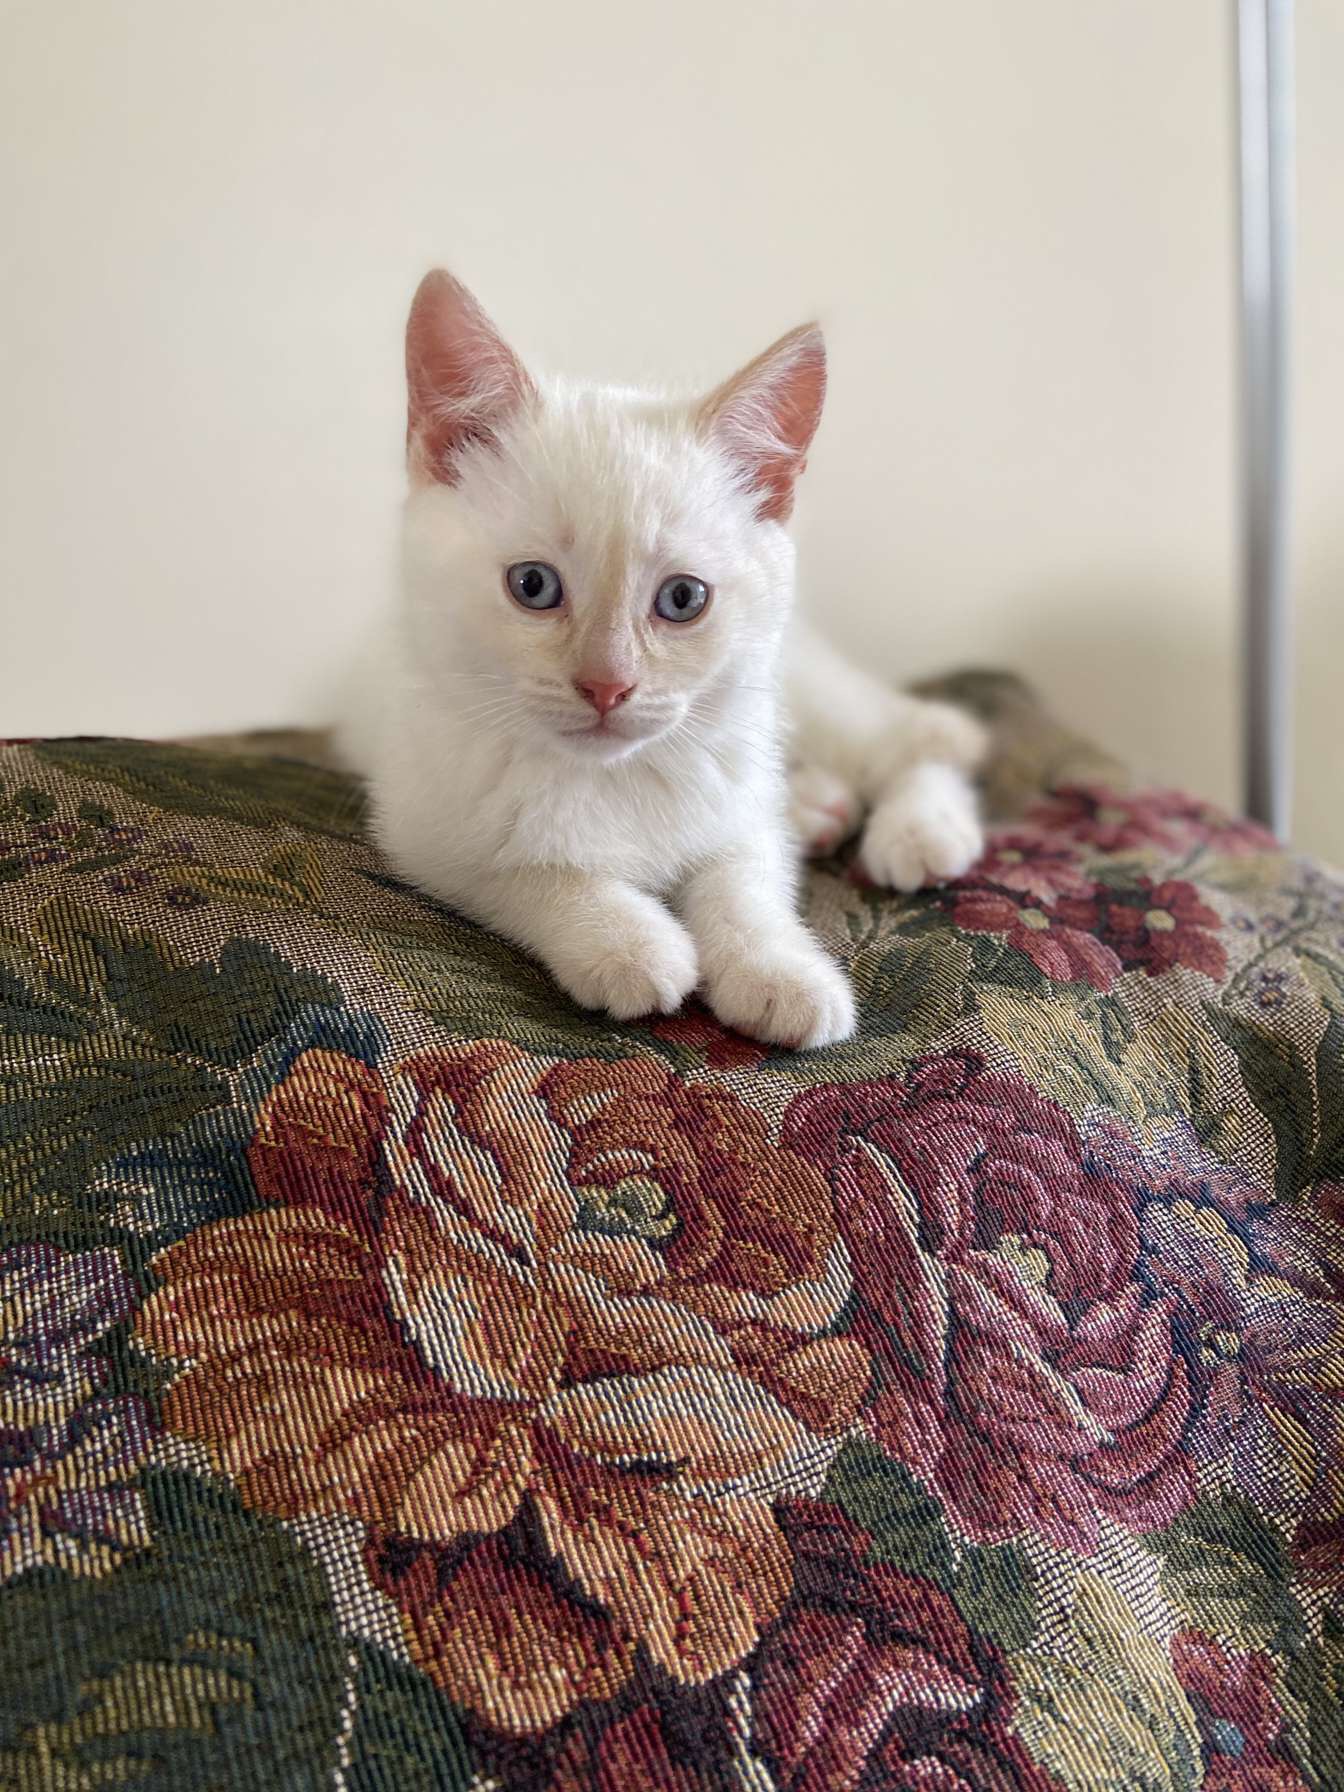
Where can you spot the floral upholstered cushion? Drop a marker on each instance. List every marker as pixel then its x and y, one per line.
pixel 408 1381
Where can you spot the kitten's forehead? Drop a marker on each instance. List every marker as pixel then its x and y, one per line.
pixel 611 466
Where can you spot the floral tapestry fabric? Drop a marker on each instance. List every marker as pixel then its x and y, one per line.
pixel 409 1381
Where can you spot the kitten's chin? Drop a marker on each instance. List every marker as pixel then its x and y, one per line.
pixel 602 746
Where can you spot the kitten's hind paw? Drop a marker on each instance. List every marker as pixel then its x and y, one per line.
pixel 926 831
pixel 823 809
pixel 794 996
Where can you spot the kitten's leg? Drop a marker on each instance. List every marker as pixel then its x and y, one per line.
pixel 824 810
pixel 607 944
pixel 762 971
pixel 925 821
pixel 924 829
pixel 911 761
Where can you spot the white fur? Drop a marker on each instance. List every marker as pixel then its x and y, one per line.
pixel 656 855
pixel 860 747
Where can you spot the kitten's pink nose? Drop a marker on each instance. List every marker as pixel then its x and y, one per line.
pixel 603 697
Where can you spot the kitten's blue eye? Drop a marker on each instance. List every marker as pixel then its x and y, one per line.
pixel 535 585
pixel 681 598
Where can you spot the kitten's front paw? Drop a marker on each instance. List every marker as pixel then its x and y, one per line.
pixel 925 832
pixel 793 996
pixel 645 965
pixel 823 809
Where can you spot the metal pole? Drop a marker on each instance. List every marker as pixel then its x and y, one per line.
pixel 1265 132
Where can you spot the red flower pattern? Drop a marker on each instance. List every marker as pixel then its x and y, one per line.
pixel 1032 863
pixel 1058 940
pixel 1160 926
pixel 1111 821
pixel 1237 1711
pixel 871 1678
pixel 1024 1373
pixel 1261 1329
pixel 549 1332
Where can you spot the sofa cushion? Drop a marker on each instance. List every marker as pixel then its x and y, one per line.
pixel 407 1380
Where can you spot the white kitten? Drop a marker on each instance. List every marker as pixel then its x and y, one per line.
pixel 573 732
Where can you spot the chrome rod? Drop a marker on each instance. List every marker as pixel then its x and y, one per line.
pixel 1264 37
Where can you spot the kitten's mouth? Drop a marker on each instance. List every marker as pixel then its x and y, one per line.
pixel 605 738
pixel 603 725
pixel 601 731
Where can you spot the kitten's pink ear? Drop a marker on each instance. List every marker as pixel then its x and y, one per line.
pixel 766 416
pixel 463 380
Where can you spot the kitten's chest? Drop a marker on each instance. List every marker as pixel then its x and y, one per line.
pixel 644 824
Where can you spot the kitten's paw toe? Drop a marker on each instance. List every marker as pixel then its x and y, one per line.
pixel 927 832
pixel 823 809
pixel 796 997
pixel 647 969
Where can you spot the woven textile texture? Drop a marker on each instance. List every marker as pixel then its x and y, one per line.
pixel 408 1381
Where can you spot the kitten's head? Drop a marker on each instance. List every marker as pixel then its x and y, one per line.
pixel 593 567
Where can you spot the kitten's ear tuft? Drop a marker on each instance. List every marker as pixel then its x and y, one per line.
pixel 766 415
pixel 463 380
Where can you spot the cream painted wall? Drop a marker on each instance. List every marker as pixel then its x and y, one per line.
pixel 1015 220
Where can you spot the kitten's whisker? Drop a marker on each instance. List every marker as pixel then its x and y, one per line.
pixel 505 709
pixel 745 737
pixel 719 752
pixel 492 700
